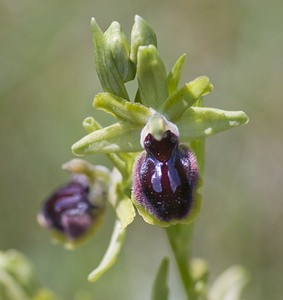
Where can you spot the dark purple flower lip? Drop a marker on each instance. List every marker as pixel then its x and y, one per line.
pixel 165 178
pixel 68 210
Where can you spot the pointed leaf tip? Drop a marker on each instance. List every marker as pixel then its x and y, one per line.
pixel 160 290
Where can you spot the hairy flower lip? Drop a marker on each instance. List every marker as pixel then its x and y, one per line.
pixel 74 211
pixel 165 179
pixel 68 209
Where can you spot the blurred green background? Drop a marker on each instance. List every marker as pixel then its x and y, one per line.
pixel 47 83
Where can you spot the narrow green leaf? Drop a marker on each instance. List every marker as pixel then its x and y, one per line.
pixel 119 137
pixel 200 122
pixel 152 77
pixel 160 290
pixel 175 74
pixel 105 66
pixel 111 254
pixel 142 35
pixel 177 103
pixel 122 109
pixel 229 285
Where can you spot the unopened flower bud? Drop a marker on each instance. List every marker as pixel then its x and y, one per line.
pixel 119 47
pixel 106 69
pixel 142 35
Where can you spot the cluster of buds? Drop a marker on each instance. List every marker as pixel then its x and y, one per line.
pixel 157 165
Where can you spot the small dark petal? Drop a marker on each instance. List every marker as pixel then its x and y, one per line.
pixel 68 209
pixel 165 178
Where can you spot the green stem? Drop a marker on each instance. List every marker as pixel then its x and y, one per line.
pixel 180 236
pixel 119 163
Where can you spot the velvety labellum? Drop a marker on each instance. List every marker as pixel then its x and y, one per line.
pixel 68 210
pixel 165 178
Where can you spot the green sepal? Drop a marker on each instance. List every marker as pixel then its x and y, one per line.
pixel 176 104
pixel 150 219
pixel 152 77
pixel 142 35
pixel 175 74
pixel 105 66
pixel 119 137
pixel 111 253
pixel 120 161
pixel 120 49
pixel 229 284
pixel 160 290
pixel 122 109
pixel 201 122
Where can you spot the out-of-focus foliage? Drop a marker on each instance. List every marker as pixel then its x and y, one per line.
pixel 47 84
pixel 18 280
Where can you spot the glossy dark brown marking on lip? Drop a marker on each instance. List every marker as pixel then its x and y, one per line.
pixel 165 178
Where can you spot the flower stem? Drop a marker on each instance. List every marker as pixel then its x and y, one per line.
pixel 180 236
